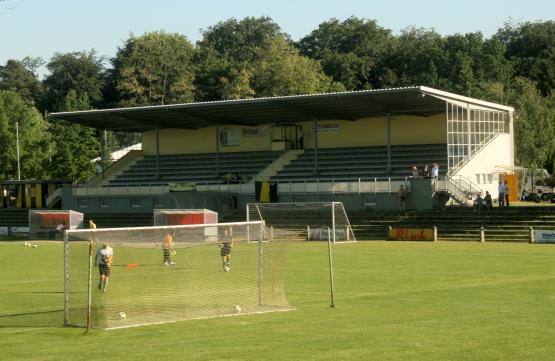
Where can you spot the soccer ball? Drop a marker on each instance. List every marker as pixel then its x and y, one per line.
pixel 226 268
pixel 237 309
pixel 122 315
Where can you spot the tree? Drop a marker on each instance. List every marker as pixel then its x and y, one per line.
pixel 351 52
pixel 417 58
pixel 73 146
pixel 241 40
pixel 531 50
pixel 253 58
pixel 20 76
pixel 227 54
pixel 534 125
pixel 155 68
pixel 282 71
pixel 81 72
pixel 32 138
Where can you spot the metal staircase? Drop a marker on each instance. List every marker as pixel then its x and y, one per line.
pixel 459 188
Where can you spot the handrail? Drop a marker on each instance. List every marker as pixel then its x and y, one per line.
pixel 291 186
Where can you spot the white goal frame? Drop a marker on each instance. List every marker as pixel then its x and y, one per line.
pixel 335 206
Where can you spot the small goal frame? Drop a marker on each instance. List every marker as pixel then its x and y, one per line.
pixel 254 208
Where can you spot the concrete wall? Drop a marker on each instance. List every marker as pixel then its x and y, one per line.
pixel 480 169
pixel 220 202
pixel 333 134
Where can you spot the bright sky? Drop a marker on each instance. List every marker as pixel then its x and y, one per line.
pixel 43 27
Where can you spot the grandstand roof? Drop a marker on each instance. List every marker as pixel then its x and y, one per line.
pixel 355 105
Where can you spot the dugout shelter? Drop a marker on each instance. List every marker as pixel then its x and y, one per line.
pixel 356 147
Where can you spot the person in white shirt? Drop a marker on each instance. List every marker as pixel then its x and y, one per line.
pixel 103 259
pixel 435 171
pixel 501 195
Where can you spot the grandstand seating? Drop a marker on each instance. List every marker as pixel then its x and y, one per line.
pixel 367 162
pixel 194 167
pixel 338 163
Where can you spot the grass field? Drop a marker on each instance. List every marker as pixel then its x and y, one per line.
pixel 395 301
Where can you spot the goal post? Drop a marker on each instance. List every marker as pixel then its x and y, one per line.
pixel 151 281
pixel 304 220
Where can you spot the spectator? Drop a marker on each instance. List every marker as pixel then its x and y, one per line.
pixel 60 230
pixel 402 198
pixel 506 193
pixel 435 171
pixel 488 203
pixel 501 193
pixel 426 171
pixel 414 171
pixel 479 203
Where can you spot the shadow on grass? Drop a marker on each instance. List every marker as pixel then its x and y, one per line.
pixel 52 318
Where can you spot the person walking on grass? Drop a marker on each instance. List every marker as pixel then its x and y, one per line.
pixel 225 248
pixel 167 247
pixel 103 258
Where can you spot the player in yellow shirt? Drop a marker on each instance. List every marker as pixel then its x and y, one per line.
pixel 167 247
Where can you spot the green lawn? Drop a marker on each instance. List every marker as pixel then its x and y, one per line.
pixel 394 301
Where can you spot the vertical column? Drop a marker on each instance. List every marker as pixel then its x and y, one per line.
pixel 103 141
pixel 157 153
pixel 468 135
pixel 217 150
pixel 388 143
pixel 512 136
pixel 315 146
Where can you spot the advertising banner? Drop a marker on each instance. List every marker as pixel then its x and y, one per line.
pixel 545 236
pixel 412 234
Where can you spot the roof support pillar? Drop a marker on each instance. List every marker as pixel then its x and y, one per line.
pixel 103 142
pixel 315 127
pixel 217 150
pixel 388 143
pixel 157 153
pixel 468 135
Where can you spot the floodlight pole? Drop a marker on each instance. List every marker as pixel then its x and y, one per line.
pixel 17 149
pixel 331 270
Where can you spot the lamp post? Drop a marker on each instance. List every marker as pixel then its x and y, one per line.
pixel 17 148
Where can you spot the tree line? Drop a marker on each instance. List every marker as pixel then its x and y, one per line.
pixel 253 57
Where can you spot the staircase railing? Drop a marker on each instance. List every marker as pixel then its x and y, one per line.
pixel 52 198
pixel 459 187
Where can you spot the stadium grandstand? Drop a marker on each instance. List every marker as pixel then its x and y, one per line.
pixel 356 147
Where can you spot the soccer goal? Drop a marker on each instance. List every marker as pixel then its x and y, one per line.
pixel 304 221
pixel 172 273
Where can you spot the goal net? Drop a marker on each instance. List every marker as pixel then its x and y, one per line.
pixel 304 221
pixel 154 280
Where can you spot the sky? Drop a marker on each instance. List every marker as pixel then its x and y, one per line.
pixel 40 28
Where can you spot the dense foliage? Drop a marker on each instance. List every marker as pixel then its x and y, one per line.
pixel 253 57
